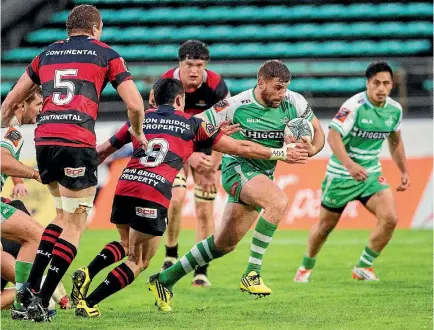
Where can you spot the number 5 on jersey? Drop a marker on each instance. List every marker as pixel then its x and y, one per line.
pixel 60 82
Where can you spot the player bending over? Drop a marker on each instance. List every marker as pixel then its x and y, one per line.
pixel 144 188
pixel 73 73
pixel 262 113
pixel 354 171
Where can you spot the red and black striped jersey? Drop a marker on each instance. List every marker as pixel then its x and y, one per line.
pixel 73 73
pixel 212 90
pixel 172 137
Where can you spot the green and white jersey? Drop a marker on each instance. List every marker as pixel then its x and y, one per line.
pixel 12 140
pixel 364 127
pixel 258 123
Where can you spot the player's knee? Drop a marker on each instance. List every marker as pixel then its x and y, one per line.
pixel 389 220
pixel 136 261
pixel 279 204
pixel 177 202
pixel 326 227
pixel 78 205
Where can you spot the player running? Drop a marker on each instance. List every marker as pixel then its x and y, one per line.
pixel 203 88
pixel 144 188
pixel 16 224
pixel 262 113
pixel 354 172
pixel 73 72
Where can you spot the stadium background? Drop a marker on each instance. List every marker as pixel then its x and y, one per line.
pixel 327 46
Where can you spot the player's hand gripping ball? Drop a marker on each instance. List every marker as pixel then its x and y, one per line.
pixel 298 128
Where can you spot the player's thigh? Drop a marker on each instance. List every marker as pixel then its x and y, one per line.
pixel 21 228
pixel 237 220
pixel 382 205
pixel 261 192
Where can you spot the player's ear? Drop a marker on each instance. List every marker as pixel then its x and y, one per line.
pixel 261 83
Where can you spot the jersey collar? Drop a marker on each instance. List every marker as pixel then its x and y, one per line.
pixel 166 108
pixel 365 96
pixel 255 100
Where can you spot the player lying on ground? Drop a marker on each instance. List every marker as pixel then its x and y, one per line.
pixel 73 73
pixel 15 224
pixel 354 171
pixel 262 113
pixel 144 188
pixel 9 253
pixel 203 88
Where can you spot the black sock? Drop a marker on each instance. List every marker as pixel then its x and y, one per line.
pixel 116 280
pixel 201 270
pixel 63 255
pixel 111 253
pixel 172 251
pixel 43 255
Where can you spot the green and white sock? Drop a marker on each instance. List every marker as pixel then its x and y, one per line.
pixel 308 263
pixel 367 258
pixel 200 254
pixel 262 236
pixel 22 271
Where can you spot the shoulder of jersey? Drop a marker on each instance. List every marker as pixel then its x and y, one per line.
pixel 242 98
pixel 169 73
pixel 354 102
pixel 213 79
pixel 294 97
pixel 396 104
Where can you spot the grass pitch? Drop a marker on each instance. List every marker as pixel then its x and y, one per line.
pixel 333 300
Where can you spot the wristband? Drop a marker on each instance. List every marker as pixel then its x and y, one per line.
pixel 278 154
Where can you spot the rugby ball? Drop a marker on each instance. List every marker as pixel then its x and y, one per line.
pixel 298 128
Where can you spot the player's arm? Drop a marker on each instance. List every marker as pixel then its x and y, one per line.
pixel 397 151
pixel 246 149
pixel 341 126
pixel 22 90
pixel 117 141
pixel 122 81
pixel 304 110
pixel 318 139
pixel 13 167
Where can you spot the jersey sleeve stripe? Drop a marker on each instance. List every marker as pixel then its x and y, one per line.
pixel 337 128
pixel 8 146
pixel 210 116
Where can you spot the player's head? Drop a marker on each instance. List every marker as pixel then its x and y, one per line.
pixel 30 108
pixel 193 55
pixel 84 19
pixel 379 82
pixel 169 91
pixel 273 81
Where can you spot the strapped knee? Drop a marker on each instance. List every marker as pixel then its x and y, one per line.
pixel 200 196
pixel 180 181
pixel 77 205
